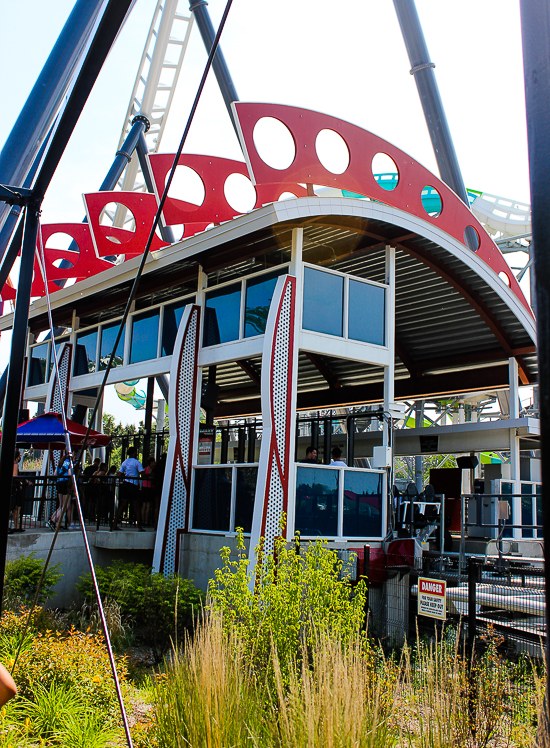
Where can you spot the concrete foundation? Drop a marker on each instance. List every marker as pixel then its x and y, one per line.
pixel 200 556
pixel 69 552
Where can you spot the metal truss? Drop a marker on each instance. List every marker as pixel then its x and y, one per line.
pixel 153 91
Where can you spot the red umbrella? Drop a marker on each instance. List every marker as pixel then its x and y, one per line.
pixel 47 432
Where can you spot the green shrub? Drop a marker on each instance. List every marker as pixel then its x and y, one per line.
pixel 72 660
pixel 160 609
pixel 292 601
pixel 22 577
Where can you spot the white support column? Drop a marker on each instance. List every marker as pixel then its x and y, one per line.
pixel 389 371
pixel 514 445
pixel 184 397
pixel 276 464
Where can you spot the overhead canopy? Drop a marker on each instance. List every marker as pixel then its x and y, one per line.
pixel 46 432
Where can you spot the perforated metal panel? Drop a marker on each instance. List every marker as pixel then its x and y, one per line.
pixel 174 514
pixel 278 360
pixel 57 403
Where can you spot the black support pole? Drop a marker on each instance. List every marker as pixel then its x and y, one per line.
pixel 423 71
pixel 141 150
pixel 221 71
pixel 535 31
pixel 15 375
pixel 39 112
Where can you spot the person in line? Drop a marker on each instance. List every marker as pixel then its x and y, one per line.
pixel 147 491
pixel 17 491
pixel 130 470
pixel 337 460
pixel 90 491
pixel 158 480
pixel 62 487
pixel 311 455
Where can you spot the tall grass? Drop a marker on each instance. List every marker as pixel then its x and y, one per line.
pixel 335 695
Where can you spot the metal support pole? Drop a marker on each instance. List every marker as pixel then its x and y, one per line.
pixel 241 443
pixel 13 391
pixel 535 30
pixel 225 445
pixel 148 419
pixel 418 423
pixel 40 109
pixel 351 440
pixel 251 443
pixel 221 71
pixel 473 579
pixel 423 71
pixel 141 150
pixel 327 440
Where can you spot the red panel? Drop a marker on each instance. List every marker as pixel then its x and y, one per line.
pixel 304 126
pixel 84 262
pixel 142 205
pixel 213 173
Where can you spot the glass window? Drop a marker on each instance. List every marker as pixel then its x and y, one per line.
pixel 108 337
pixel 222 315
pixel 317 501
pixel 366 319
pixel 38 363
pixel 323 302
pixel 145 336
pixel 259 292
pixel 244 497
pixel 212 499
pixel 362 504
pixel 172 318
pixel 85 353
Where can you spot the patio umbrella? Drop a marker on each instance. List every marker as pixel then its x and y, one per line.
pixel 46 432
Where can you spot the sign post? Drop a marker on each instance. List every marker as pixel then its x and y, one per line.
pixel 431 598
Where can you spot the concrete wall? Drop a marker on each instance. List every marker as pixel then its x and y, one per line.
pixel 70 553
pixel 200 556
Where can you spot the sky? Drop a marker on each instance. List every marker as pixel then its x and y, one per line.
pixel 344 59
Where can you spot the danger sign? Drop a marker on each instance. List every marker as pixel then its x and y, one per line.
pixel 431 598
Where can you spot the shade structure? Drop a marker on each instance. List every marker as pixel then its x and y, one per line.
pixel 46 432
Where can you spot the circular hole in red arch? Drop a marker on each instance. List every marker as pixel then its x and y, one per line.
pixel 471 238
pixel 505 278
pixel 431 201
pixel 129 222
pixel 385 171
pixel 187 185
pixel 274 143
pixel 332 151
pixel 239 192
pixel 61 240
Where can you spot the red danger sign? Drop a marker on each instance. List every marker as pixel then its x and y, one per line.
pixel 431 598
pixel 431 587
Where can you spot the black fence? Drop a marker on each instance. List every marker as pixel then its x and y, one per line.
pixel 500 600
pixel 34 502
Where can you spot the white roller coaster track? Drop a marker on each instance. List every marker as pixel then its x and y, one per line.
pixel 154 88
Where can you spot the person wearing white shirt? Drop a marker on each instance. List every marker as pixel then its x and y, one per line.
pixel 130 470
pixel 337 458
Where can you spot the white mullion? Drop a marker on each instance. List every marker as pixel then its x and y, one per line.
pixel 242 309
pixel 159 336
pixel 340 526
pixel 233 498
pixel 345 310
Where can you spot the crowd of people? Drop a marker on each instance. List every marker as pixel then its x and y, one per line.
pixel 137 488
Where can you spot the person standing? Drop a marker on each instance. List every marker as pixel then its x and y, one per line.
pixel 311 455
pixel 62 487
pixel 337 460
pixel 130 470
pixel 16 495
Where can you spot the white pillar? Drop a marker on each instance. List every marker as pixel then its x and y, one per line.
pixel 514 445
pixel 389 371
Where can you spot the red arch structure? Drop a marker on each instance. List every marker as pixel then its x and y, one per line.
pixel 97 241
pixel 305 125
